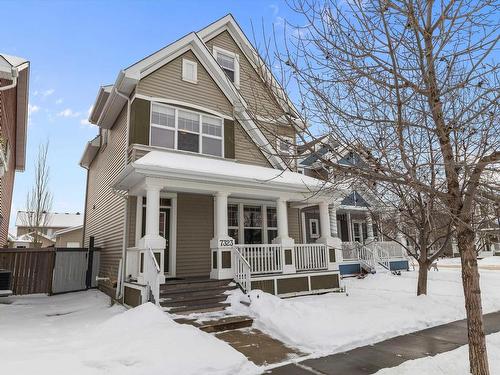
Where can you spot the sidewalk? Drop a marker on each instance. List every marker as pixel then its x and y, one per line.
pixel 392 352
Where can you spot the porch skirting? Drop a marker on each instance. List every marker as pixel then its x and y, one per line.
pixel 289 285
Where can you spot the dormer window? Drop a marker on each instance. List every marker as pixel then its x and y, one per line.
pixel 229 62
pixel 189 71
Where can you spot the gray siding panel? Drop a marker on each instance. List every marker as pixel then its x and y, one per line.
pixel 294 224
pixel 105 210
pixel 195 228
pixel 245 150
pixel 166 82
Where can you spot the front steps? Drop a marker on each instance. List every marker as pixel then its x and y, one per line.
pixel 195 295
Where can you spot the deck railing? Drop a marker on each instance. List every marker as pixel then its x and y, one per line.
pixel 242 271
pixel 393 249
pixel 262 258
pixel 311 257
pixel 152 273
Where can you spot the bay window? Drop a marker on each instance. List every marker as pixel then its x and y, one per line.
pixel 186 130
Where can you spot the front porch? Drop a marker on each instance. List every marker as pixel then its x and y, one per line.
pixel 246 224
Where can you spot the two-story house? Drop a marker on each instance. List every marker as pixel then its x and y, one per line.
pixel 186 179
pixel 353 217
pixel 14 80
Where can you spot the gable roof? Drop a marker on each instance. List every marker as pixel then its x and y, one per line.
pixel 17 69
pixel 66 230
pixel 111 99
pixel 55 219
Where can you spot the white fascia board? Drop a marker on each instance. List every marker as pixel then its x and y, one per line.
pixel 229 24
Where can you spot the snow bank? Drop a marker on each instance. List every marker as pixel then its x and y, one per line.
pixel 58 335
pixel 450 363
pixel 490 261
pixel 377 307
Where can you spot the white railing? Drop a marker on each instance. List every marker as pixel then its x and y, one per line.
pixel 151 275
pixel 381 256
pixel 262 258
pixel 311 257
pixel 242 272
pixel 366 257
pixel 349 251
pixel 393 249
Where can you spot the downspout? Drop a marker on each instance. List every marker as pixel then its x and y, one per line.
pixel 122 271
pixel 15 74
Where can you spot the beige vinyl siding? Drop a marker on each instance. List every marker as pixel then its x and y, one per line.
pixel 195 228
pixel 252 88
pixel 73 236
pixel 166 82
pixel 294 224
pixel 245 149
pixel 105 210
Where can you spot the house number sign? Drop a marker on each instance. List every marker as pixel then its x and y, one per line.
pixel 224 243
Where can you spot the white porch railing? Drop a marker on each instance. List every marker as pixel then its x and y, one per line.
pixel 381 256
pixel 357 251
pixel 393 249
pixel 310 257
pixel 262 258
pixel 242 272
pixel 151 274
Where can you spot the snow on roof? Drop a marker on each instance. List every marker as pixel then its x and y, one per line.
pixel 55 220
pixel 66 230
pixel 220 168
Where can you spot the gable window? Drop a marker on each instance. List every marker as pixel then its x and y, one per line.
pixel 180 129
pixel 229 63
pixel 189 71
pixel 285 145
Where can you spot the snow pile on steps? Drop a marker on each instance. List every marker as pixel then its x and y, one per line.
pixel 455 362
pixel 378 307
pixel 81 333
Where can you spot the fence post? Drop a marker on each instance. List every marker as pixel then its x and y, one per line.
pixel 90 262
pixel 50 271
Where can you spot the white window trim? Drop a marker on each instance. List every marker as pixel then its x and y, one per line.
pixel 311 234
pixel 290 143
pixel 186 62
pixel 236 62
pixel 241 221
pixel 176 129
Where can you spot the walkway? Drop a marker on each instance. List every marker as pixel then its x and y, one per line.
pixel 392 352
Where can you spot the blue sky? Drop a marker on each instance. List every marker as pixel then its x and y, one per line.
pixel 76 46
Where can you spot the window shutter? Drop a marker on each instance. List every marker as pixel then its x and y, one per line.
pixel 139 121
pixel 229 139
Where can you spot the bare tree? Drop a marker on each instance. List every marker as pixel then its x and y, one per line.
pixel 412 86
pixel 39 199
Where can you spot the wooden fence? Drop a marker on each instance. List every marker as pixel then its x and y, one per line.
pixel 49 270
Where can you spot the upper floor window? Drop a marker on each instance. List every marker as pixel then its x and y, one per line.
pixel 229 63
pixel 180 129
pixel 189 71
pixel 285 146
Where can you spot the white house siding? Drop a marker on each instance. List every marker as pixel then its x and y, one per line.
pixel 105 210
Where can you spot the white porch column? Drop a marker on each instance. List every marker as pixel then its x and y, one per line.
pixel 334 244
pixel 369 227
pixel 152 238
pixel 332 211
pixel 399 231
pixel 287 243
pixel 221 244
pixel 349 227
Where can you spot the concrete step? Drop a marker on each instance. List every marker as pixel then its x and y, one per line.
pixel 227 323
pixel 202 308
pixel 193 301
pixel 196 284
pixel 196 292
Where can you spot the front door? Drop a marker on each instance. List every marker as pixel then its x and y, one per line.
pixel 357 232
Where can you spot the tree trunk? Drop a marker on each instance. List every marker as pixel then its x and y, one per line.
pixel 478 356
pixel 423 271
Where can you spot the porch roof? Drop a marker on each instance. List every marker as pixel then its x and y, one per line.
pixel 211 171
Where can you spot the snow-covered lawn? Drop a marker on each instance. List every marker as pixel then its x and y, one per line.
pixel 451 363
pixel 81 334
pixel 377 307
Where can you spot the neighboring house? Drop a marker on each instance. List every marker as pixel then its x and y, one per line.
pixel 354 224
pixel 68 237
pixel 189 173
pixel 27 240
pixel 57 230
pixel 14 82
